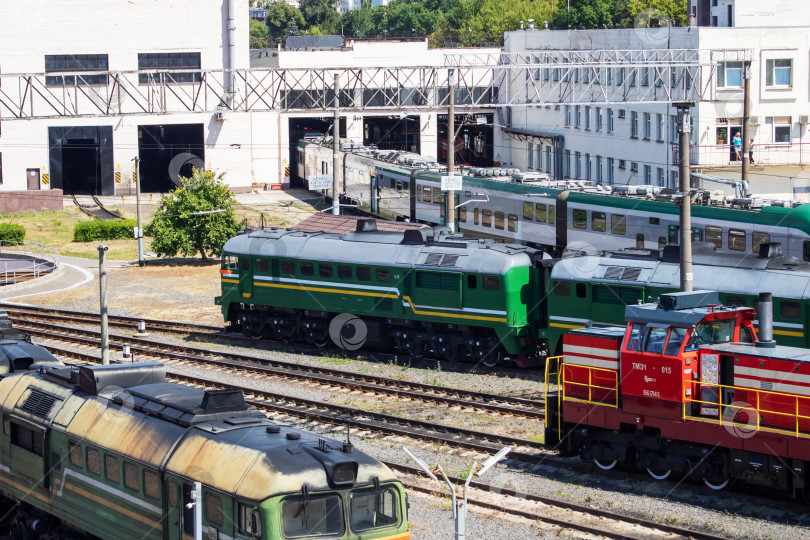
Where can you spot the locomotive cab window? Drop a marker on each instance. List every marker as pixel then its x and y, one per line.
pixel 676 339
pixel 562 288
pixel 250 522
pixel 27 438
pixel 635 337
pixel 229 262
pixel 655 338
pixel 492 283
pixel 315 515
pixel 373 509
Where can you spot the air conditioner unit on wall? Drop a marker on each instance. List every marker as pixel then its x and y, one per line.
pixel 754 120
pixel 804 119
pixel 219 116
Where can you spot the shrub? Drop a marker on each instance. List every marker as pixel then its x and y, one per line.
pixel 113 229
pixel 11 234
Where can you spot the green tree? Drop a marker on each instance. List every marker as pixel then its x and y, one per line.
pixel 259 36
pixel 179 225
pixel 279 16
pixel 649 12
pixel 318 13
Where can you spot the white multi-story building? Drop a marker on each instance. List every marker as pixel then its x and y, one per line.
pixel 637 143
pixel 746 13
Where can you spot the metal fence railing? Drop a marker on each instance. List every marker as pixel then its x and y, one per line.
pixel 12 272
pixel 764 154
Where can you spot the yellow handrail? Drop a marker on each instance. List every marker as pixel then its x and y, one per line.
pixel 591 386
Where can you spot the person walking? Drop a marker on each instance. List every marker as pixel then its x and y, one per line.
pixel 737 142
pixel 751 151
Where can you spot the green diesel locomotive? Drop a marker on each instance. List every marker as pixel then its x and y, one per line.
pixel 115 452
pixel 418 291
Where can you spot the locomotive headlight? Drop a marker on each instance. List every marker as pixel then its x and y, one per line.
pixel 344 473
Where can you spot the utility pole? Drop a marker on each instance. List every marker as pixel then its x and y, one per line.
pixel 336 151
pixel 450 195
pixel 746 117
pixel 685 173
pixel 139 232
pixel 102 311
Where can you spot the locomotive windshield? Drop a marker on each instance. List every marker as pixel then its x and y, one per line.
pixel 312 515
pixel 712 332
pixel 373 508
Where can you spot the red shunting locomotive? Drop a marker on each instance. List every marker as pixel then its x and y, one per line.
pixel 686 387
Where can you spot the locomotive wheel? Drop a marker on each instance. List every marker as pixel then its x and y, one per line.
pixel 493 358
pixel 660 474
pixel 717 486
pixel 605 466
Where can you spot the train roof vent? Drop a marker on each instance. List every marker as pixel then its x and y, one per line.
pixel 434 259
pixel 631 274
pixel 39 403
pixel 769 250
pixel 613 272
pixel 366 225
pixel 449 260
pixel 413 237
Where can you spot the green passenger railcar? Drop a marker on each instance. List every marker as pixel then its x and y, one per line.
pixel 424 291
pixel 115 452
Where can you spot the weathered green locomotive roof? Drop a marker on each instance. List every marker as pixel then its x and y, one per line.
pixel 245 455
pixel 381 248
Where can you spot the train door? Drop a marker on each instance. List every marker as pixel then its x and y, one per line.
pixel 173 511
pixel 245 278
pixel 188 510
pixel 673 235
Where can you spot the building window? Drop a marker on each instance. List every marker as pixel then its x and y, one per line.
pixel 71 63
pixel 633 124
pixel 180 65
pixel 673 179
pixel 531 156
pixel 660 176
pixel 567 112
pixel 588 165
pixel 610 174
pixel 730 75
pixel 567 164
pixel 779 72
pixel 587 118
pixel 622 164
pixel 539 164
pixel 610 120
pixel 633 166
pixel 599 169
pixel 647 125
pixel 659 127
pixel 647 174
pixel 548 159
pixel 780 128
pixel 598 118
pixel 645 76
pixel 577 110
pixel 577 165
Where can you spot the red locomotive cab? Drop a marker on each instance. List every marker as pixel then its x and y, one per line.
pixel 660 359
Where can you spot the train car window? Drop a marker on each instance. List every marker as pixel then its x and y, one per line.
pixel 486 218
pixel 562 288
pixel 250 522
pixel 580 219
pixel 262 265
pixel 714 235
pixel 213 508
pixel 244 264
pixel 426 194
pixel 757 239
pixel 437 195
pixel 462 213
pixel 373 508
pixel 551 214
pixel 173 502
pixel 383 275
pixel 790 310
pixel 288 267
pixel 492 283
pixel 598 221
pixel 528 211
pixel 540 212
pixel 131 480
pixel 315 515
pixel 618 224
pixel 738 301
pixel 806 250
pixel 363 273
pixel 307 269
pixel 111 469
pixel 26 438
pixel 499 219
pixel 229 262
pixel 655 221
pixel 662 241
pixel 94 461
pixel 697 235
pixel 326 270
pixel 676 338
pixel 399 186
pixel 76 454
pixel 640 241
pixel 736 240
pixel 511 222
pixel 582 290
pixel 476 214
pixel 418 193
pixel 472 281
pixel 151 485
pixel 344 272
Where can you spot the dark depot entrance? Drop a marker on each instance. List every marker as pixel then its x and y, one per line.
pixel 81 159
pixel 168 152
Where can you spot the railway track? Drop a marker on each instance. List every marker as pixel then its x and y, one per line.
pixel 96 209
pixel 41 325
pixel 577 517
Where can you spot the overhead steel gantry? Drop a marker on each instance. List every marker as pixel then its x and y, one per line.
pixel 537 77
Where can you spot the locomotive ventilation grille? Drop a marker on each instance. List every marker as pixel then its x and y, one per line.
pixel 441 259
pixel 39 403
pixel 622 273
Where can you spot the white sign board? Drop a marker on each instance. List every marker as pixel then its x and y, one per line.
pixel 320 181
pixel 451 182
